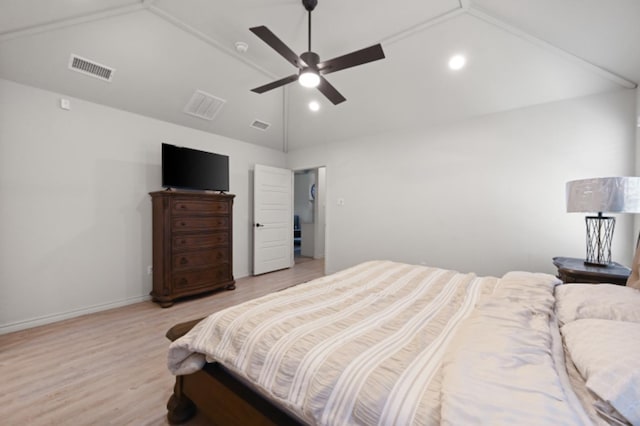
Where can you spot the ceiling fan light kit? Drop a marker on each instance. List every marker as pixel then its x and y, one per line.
pixel 309 78
pixel 310 69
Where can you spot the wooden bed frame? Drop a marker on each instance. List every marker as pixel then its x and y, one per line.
pixel 219 396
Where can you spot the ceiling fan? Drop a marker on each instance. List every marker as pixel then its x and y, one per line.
pixel 310 69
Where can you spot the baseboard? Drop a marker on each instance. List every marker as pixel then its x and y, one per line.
pixel 48 319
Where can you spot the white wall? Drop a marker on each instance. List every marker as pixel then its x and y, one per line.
pixel 75 214
pixel 485 195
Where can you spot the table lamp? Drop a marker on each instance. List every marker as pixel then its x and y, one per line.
pixel 602 195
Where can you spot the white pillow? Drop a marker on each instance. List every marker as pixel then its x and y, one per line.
pixel 598 301
pixel 606 355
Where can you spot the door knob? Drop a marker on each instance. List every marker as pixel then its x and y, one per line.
pixel 259 225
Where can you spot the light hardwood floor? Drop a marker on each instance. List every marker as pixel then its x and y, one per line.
pixel 109 368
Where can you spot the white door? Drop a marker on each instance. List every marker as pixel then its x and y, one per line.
pixel 272 219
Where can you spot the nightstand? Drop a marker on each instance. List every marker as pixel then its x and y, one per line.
pixel 571 270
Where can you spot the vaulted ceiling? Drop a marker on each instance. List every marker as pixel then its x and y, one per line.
pixel 519 53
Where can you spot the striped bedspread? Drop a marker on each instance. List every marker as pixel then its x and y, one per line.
pixel 362 346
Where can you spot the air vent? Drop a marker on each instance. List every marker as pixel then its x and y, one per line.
pixel 91 68
pixel 260 125
pixel 203 105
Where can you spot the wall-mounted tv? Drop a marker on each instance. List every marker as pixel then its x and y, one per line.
pixel 187 168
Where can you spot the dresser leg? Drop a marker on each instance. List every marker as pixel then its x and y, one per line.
pixel 164 303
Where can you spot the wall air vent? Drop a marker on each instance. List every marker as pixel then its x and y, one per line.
pixel 203 105
pixel 260 125
pixel 91 68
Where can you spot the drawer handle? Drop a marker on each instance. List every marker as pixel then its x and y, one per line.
pixel 183 281
pixel 184 261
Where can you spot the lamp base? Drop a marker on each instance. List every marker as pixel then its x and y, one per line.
pixel 599 235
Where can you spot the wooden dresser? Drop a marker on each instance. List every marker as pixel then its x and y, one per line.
pixel 192 244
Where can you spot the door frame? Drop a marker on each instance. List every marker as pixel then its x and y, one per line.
pixel 326 198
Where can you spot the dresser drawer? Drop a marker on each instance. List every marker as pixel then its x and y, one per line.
pixel 200 259
pixel 202 278
pixel 199 207
pixel 200 241
pixel 194 223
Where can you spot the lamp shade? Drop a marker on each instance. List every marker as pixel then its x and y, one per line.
pixel 604 195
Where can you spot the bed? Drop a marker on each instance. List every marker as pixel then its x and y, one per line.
pixel 396 344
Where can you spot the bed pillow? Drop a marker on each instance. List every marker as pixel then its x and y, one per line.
pixel 597 301
pixel 605 353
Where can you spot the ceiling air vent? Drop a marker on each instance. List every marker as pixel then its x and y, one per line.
pixel 203 105
pixel 260 125
pixel 91 68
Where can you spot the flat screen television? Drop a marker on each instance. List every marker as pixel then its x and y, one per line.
pixel 187 168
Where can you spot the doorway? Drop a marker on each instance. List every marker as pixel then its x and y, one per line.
pixel 309 214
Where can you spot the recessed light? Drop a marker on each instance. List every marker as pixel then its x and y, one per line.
pixel 457 62
pixel 314 106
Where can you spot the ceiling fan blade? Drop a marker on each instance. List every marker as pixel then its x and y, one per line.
pixel 276 84
pixel 359 57
pixel 276 44
pixel 330 92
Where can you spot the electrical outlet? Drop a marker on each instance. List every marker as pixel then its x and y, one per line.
pixel 149 270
